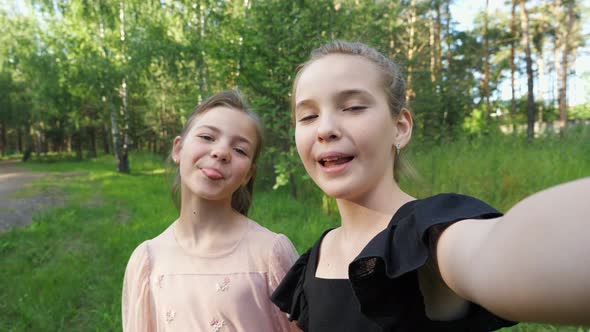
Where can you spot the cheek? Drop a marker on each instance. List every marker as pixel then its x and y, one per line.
pixel 244 168
pixel 302 143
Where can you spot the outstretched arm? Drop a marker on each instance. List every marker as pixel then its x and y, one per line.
pixel 533 264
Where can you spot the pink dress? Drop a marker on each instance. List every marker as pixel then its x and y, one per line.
pixel 167 289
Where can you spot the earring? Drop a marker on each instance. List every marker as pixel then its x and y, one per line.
pixel 397 148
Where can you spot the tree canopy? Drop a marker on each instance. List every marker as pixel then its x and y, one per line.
pixel 121 75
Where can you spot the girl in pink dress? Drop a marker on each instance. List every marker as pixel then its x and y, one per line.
pixel 213 269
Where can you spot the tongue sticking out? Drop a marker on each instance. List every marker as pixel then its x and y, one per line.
pixel 335 162
pixel 212 174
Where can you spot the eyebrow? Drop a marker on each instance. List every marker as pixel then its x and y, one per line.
pixel 355 93
pixel 303 104
pixel 239 138
pixel 340 95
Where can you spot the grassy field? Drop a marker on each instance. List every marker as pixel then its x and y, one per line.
pixel 64 271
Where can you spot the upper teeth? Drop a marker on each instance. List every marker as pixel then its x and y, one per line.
pixel 331 158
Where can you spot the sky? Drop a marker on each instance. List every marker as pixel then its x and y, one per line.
pixel 464 13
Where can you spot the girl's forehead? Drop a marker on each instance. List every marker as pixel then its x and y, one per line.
pixel 218 113
pixel 227 120
pixel 338 72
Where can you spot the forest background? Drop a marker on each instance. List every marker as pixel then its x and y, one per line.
pixel 117 76
pixel 100 88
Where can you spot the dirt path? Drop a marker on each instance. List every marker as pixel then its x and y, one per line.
pixel 18 209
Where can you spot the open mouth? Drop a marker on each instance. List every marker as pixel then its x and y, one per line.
pixel 335 161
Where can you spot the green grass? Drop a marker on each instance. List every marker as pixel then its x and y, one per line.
pixel 64 272
pixel 501 170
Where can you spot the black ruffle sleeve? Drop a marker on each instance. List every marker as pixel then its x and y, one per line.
pixel 289 295
pixel 384 275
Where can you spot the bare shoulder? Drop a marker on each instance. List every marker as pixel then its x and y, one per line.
pixel 331 263
pixel 328 249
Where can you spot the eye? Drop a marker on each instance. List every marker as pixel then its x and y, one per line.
pixel 308 118
pixel 355 108
pixel 206 137
pixel 241 151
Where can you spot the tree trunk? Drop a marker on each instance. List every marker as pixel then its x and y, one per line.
pixel 557 13
pixel 392 49
pixel 448 35
pixel 92 136
pixel 512 66
pixel 44 142
pixel 542 83
pixel 487 61
pixel 105 139
pixel 529 72
pixel 38 143
pixel 28 143
pixel 19 139
pixel 119 148
pixel 447 94
pixel 77 138
pixel 3 137
pixel 115 133
pixel 124 152
pixel 566 47
pixel 200 26
pixel 437 41
pixel 242 52
pixel 431 44
pixel 411 50
pixel 124 148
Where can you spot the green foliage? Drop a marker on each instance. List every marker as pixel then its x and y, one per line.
pixel 579 112
pixel 475 123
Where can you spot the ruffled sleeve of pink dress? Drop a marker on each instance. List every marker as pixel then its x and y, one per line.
pixel 137 303
pixel 282 257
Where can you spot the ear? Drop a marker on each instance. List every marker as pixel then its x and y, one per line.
pixel 403 124
pixel 176 148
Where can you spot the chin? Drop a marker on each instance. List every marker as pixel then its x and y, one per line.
pixel 349 189
pixel 336 191
pixel 203 193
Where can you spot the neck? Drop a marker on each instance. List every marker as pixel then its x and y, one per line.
pixel 206 226
pixel 371 213
pixel 206 215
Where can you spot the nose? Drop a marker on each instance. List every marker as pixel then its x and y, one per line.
pixel 328 128
pixel 221 153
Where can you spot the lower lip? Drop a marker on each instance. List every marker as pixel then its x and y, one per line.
pixel 334 169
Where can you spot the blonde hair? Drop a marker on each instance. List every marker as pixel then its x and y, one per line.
pixel 392 81
pixel 242 197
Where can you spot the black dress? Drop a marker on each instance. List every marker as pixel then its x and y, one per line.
pixel 382 292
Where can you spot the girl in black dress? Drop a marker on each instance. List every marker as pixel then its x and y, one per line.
pixel 443 263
